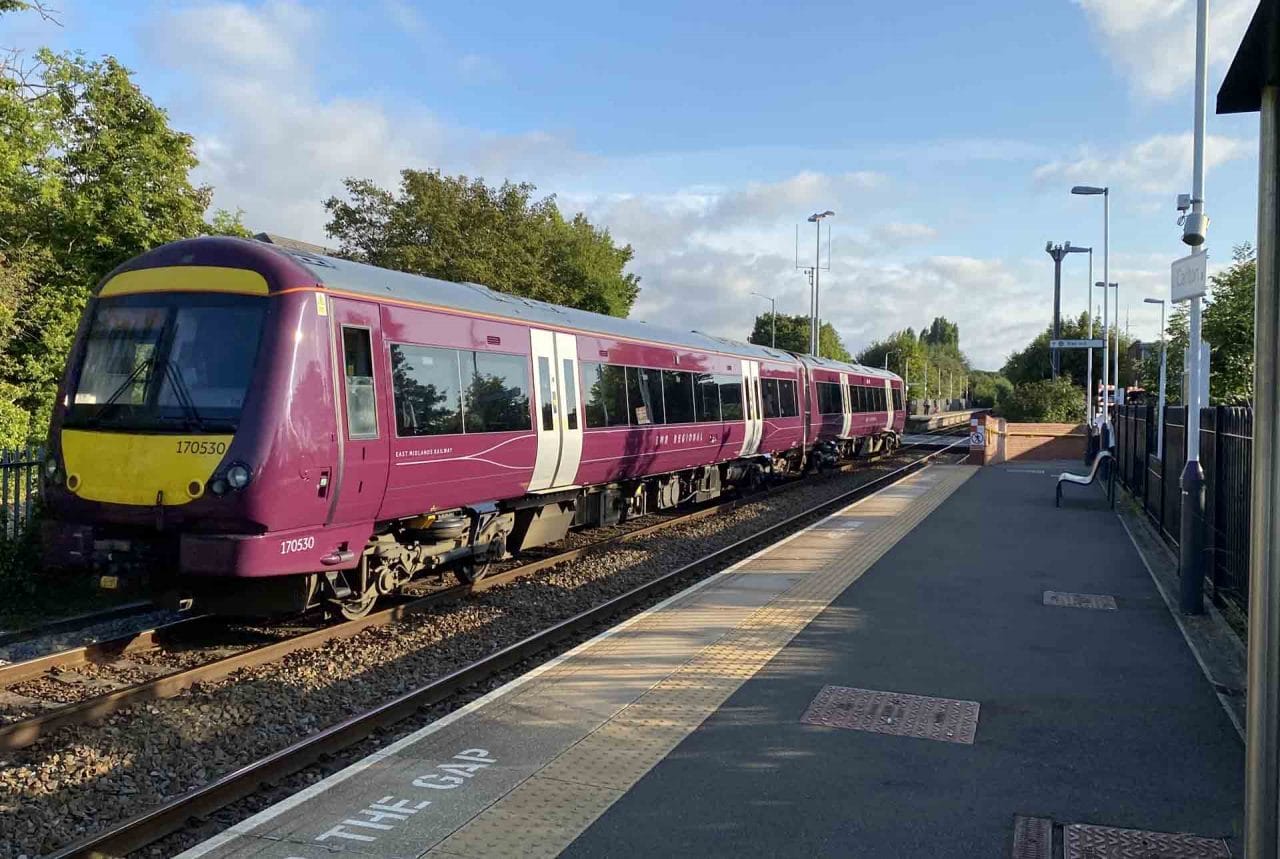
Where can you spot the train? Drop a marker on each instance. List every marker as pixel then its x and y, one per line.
pixel 257 430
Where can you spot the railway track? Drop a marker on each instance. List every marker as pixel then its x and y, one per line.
pixel 174 814
pixel 90 682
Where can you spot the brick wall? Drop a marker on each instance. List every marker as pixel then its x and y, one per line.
pixel 1043 441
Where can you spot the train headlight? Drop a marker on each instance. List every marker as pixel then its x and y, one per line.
pixel 218 486
pixel 238 476
pixel 51 469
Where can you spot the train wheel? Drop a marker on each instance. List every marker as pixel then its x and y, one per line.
pixel 354 607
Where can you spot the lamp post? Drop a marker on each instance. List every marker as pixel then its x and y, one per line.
pixel 1160 423
pixel 1115 376
pixel 773 319
pixel 814 325
pixel 1092 191
pixel 1106 357
pixel 1058 252
pixel 889 352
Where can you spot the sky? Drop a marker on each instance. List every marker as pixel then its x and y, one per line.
pixel 945 136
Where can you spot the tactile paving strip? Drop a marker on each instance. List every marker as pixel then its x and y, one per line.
pixel 896 713
pixel 1032 838
pixel 1067 600
pixel 1106 842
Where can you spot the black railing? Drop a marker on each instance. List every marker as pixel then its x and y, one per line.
pixel 19 487
pixel 1226 455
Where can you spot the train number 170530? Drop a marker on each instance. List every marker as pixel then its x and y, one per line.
pixel 301 544
pixel 202 448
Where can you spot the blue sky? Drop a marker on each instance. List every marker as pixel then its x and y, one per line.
pixel 944 135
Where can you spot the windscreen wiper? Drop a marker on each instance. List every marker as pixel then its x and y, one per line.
pixel 146 364
pixel 183 394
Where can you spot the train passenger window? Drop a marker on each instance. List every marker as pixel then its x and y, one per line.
pixel 644 396
pixel 879 399
pixel 829 399
pixel 897 399
pixel 706 392
pixel 863 405
pixel 677 395
pixel 495 395
pixel 570 394
pixel 547 394
pixel 605 392
pixel 772 403
pixel 730 397
pixel 362 411
pixel 787 399
pixel 425 384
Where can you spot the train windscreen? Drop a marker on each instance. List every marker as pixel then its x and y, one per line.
pixel 167 362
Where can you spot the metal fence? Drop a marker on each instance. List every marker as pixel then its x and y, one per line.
pixel 19 487
pixel 1226 455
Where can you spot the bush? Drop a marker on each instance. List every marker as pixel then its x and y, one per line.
pixel 1045 401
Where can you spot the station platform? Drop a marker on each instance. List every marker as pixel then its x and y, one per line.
pixel 916 675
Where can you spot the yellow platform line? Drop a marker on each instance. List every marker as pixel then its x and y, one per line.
pixel 543 814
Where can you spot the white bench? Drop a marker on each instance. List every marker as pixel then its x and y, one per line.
pixel 1086 479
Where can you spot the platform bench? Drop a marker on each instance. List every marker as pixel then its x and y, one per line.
pixel 1086 480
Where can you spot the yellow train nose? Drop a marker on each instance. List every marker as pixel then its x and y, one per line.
pixel 131 468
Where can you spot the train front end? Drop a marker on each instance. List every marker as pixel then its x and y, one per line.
pixel 190 428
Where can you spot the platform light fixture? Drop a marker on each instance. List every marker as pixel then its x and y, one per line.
pixel 1105 193
pixel 815 324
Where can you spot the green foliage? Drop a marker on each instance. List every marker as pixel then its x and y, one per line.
pixel 989 389
pixel 461 229
pixel 1227 326
pixel 1033 362
pixel 793 335
pixel 227 223
pixel 1044 401
pixel 90 175
pixel 942 332
pixel 913 357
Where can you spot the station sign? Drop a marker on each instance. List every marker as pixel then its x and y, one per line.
pixel 1189 277
pixel 1075 344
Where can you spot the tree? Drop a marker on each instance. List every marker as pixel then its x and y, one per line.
pixel 1226 325
pixel 989 389
pixel 942 332
pixel 227 223
pixel 1045 401
pixel 793 335
pixel 1033 362
pixel 461 229
pixel 90 175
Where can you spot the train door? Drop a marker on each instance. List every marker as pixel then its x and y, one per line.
pixel 888 404
pixel 751 412
pixel 558 417
pixel 846 405
pixel 363 436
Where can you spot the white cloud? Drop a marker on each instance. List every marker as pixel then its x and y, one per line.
pixel 270 143
pixel 1153 41
pixel 276 146
pixel 1157 165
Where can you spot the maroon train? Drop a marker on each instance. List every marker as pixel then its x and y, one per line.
pixel 269 431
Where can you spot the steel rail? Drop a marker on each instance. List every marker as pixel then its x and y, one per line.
pixel 67 624
pixel 23 732
pixel 171 816
pixel 97 651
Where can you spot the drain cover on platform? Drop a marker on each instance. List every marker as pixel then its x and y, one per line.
pixel 1104 601
pixel 1107 842
pixel 1032 837
pixel 894 713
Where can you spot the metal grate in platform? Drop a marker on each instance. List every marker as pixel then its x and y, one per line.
pixel 1032 837
pixel 1107 842
pixel 1060 598
pixel 896 713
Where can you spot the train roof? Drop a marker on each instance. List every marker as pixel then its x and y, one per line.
pixel 382 283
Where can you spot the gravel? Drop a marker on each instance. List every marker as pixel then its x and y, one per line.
pixel 82 778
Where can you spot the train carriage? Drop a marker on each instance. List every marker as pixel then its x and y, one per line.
pixel 269 431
